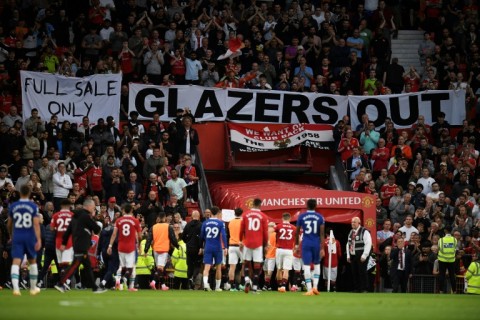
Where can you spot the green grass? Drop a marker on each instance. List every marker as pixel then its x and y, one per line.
pixel 178 305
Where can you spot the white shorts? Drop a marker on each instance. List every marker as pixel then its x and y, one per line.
pixel 255 255
pixel 160 259
pixel 269 264
pixel 65 256
pixel 297 264
pixel 234 255
pixel 333 273
pixel 284 259
pixel 127 260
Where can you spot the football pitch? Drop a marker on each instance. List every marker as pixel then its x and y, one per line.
pixel 144 304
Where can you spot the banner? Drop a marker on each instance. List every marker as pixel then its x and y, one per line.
pixel 404 109
pixel 260 106
pixel 245 139
pixel 96 96
pixel 236 105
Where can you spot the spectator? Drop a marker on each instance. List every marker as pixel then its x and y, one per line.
pixel 62 184
pixel 153 60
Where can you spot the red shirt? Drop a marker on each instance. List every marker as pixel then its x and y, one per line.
pixel 381 157
pixel 346 150
pixel 126 62
pixel 285 235
pixel 189 171
pixel 335 255
pixel 96 178
pixel 60 222
pixel 254 229
pixel 81 178
pixel 388 191
pixel 178 67
pixel 127 226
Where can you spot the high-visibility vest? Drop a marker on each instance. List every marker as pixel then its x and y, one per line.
pixel 161 241
pixel 473 278
pixel 446 249
pixel 179 260
pixel 144 264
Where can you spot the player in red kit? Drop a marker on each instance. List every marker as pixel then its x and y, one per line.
pixel 336 251
pixel 253 239
pixel 284 256
pixel 60 222
pixel 129 231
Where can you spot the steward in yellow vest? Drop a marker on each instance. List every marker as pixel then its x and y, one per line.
pixel 473 276
pixel 179 262
pixel 447 247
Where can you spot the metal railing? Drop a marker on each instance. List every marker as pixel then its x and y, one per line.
pixel 424 283
pixel 204 198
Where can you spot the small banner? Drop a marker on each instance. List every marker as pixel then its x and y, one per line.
pixel 96 96
pixel 245 139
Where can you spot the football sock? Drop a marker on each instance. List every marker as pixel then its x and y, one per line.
pixel 133 275
pixel 256 273
pixel 218 283
pixel 308 277
pixel 267 281
pixel 33 275
pixel 316 275
pixel 15 272
pixel 205 282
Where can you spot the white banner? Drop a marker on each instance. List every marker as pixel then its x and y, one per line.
pixel 236 105
pixel 96 96
pixel 260 106
pixel 404 109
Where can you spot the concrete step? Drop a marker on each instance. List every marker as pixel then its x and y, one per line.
pixel 408 38
pixel 406 42
pixel 411 32
pixel 404 50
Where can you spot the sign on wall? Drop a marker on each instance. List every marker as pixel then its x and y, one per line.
pixel 245 139
pixel 96 96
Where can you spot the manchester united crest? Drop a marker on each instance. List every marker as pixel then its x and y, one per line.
pixel 367 202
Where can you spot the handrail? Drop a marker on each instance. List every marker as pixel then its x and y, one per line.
pixel 204 197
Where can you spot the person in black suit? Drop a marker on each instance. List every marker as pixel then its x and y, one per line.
pixel 134 185
pixel 401 267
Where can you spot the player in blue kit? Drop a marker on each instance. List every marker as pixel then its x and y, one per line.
pixel 313 225
pixel 214 237
pixel 24 227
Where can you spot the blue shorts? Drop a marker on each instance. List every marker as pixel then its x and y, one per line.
pixel 22 246
pixel 310 254
pixel 210 256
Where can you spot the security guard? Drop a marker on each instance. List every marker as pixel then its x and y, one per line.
pixel 446 259
pixel 473 276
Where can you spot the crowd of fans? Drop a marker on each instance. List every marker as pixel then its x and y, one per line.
pixel 335 47
pixel 424 179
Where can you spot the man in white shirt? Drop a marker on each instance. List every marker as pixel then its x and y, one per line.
pixel 408 227
pixel 435 194
pixel 177 186
pixel 426 181
pixel 62 184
